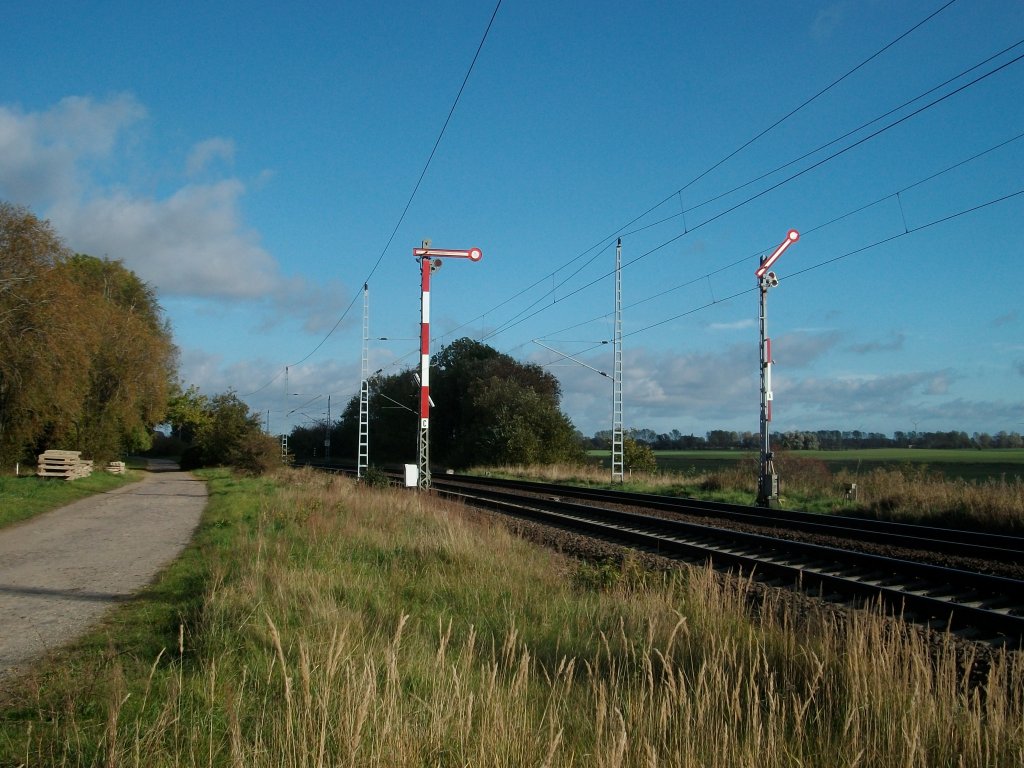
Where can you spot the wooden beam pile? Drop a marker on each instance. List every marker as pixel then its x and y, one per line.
pixel 68 465
pixel 116 467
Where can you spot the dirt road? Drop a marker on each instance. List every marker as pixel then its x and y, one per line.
pixel 60 571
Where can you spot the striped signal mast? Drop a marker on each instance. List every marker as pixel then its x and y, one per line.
pixel 768 479
pixel 430 261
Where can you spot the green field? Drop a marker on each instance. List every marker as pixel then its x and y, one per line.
pixel 968 464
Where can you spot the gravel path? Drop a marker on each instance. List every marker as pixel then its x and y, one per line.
pixel 60 571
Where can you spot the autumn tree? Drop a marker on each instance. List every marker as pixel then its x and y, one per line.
pixel 42 366
pixel 132 359
pixel 223 431
pixel 85 355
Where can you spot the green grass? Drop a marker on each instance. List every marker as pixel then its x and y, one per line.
pixel 317 622
pixel 965 464
pixel 26 496
pixel 150 641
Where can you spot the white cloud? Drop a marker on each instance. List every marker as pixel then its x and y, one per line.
pixel 738 325
pixel 698 391
pixel 827 21
pixel 893 344
pixel 801 348
pixel 46 155
pixel 190 244
pixel 205 153
pixel 305 392
pixel 192 241
pixel 885 398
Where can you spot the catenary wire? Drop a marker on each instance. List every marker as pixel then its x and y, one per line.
pixel 716 165
pixel 805 232
pixel 824 263
pixel 509 324
pixel 408 203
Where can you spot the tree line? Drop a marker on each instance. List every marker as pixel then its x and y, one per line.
pixel 822 439
pixel 489 409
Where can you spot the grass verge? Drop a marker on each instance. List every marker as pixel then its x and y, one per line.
pixel 910 493
pixel 317 622
pixel 26 496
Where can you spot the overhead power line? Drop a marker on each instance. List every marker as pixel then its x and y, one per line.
pixel 605 241
pixel 518 319
pixel 816 228
pixel 824 263
pixel 408 204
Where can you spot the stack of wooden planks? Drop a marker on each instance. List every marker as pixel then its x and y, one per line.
pixel 68 465
pixel 116 467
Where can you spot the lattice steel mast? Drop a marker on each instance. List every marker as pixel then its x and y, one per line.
pixel 363 457
pixel 618 442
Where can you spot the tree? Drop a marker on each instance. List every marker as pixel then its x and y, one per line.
pixel 85 355
pixel 512 423
pixel 188 413
pixel 132 357
pixel 228 434
pixel 638 456
pixel 493 409
pixel 488 408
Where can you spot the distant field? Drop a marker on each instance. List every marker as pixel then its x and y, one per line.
pixel 963 463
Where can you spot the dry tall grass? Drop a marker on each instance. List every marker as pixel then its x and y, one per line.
pixel 351 626
pixel 908 493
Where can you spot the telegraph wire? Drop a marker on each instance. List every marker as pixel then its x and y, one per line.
pixel 517 320
pixel 811 99
pixel 827 262
pixel 818 265
pixel 805 232
pixel 716 165
pixel 408 203
pixel 836 140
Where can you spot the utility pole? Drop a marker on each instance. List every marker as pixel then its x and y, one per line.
pixel 363 458
pixel 618 442
pixel 430 261
pixel 768 480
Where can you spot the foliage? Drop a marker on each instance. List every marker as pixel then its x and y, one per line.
pixel 85 354
pixel 488 408
pixel 638 457
pixel 188 413
pixel 375 477
pixel 894 490
pixel 224 432
pixel 804 440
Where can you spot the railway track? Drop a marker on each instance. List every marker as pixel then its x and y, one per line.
pixel 981 547
pixel 983 601
pixel 978 605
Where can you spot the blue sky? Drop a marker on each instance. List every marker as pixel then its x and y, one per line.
pixel 251 162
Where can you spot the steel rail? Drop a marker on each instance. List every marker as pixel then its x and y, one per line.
pixel 974 544
pixel 929 594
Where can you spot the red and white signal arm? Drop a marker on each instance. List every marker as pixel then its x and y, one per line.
pixel 791 238
pixel 473 254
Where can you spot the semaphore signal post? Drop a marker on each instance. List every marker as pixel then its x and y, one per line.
pixel 768 479
pixel 430 261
